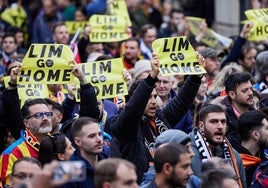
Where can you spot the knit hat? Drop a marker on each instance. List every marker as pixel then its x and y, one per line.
pixel 209 52
pixel 142 66
pixel 172 136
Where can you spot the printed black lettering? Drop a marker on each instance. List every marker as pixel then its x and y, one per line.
pixel 107 89
pixel 105 67
pixel 39 75
pixel 42 54
pixel 56 52
pixel 31 53
pixel 165 49
pixel 40 63
pixel 66 75
pixel 164 68
pixel 197 67
pixel 186 67
pixel 25 75
pixel 53 75
pixel 115 5
pixel 83 69
pixel 119 88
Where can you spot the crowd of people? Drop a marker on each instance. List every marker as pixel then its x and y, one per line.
pixel 195 131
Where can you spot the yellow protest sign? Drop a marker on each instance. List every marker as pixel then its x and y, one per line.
pixel 73 26
pixel 211 38
pixel 106 76
pixel 47 64
pixel 32 91
pixel 260 28
pixel 29 91
pixel 177 56
pixel 16 16
pixel 119 7
pixel 107 28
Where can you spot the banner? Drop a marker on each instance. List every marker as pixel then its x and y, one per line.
pixel 47 64
pixel 105 28
pixel 177 56
pixel 29 91
pixel 211 38
pixel 73 26
pixel 119 8
pixel 106 76
pixel 260 28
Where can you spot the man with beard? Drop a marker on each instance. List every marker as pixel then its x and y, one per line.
pixel 37 121
pixel 138 124
pixel 132 53
pixel 252 127
pixel 172 165
pixel 212 63
pixel 208 140
pixel 239 100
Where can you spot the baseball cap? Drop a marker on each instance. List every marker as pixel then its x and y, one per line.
pixel 209 52
pixel 172 136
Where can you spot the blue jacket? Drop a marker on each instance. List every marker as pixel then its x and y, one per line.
pixel 90 171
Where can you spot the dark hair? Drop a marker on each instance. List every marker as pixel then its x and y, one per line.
pixel 9 34
pixel 210 108
pixel 104 57
pixel 28 103
pixel 215 178
pixel 55 105
pixel 27 159
pixel 244 50
pixel 58 24
pixel 135 40
pixel 50 146
pixel 80 123
pixel 106 170
pixel 175 11
pixel 235 79
pixel 14 30
pixel 248 122
pixel 168 153
pixel 145 28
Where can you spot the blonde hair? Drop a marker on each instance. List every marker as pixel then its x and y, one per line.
pixel 218 84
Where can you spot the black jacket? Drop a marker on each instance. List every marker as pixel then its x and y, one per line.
pixel 129 126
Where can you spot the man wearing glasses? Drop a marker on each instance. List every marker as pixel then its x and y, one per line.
pixel 35 122
pixel 23 169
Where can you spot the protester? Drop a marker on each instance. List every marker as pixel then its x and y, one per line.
pixel 55 147
pixel 88 137
pixel 140 122
pixel 239 100
pixel 176 137
pixel 23 169
pixel 172 165
pixel 220 178
pixel 115 172
pixel 208 140
pixel 252 127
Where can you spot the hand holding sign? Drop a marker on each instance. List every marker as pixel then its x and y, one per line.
pixel 177 56
pixel 14 74
pixel 154 65
pixel 79 74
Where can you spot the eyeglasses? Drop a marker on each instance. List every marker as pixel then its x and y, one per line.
pixel 22 176
pixel 39 115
